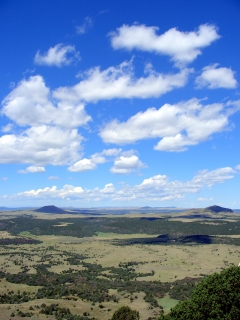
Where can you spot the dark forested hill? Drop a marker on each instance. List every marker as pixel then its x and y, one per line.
pixel 51 209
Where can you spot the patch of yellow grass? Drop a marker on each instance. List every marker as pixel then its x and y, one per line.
pixel 62 224
pixel 5 234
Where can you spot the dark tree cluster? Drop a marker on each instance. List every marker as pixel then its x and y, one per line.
pixel 125 313
pixel 13 298
pixel 62 313
pixel 17 241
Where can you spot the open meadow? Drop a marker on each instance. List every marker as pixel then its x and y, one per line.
pixel 94 265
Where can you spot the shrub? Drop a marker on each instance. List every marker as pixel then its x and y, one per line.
pixel 126 313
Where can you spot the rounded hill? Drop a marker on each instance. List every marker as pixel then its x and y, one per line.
pixel 51 209
pixel 217 209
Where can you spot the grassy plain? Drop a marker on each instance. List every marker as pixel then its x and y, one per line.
pixel 169 263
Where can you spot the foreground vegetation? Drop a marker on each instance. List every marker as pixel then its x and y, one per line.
pixel 215 298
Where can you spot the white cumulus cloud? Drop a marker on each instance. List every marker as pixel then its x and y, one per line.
pixel 91 163
pixel 209 178
pixel 41 145
pixel 124 164
pixel 59 56
pixel 120 82
pixel 155 188
pixel 66 191
pixel 111 152
pixel 178 126
pixel 214 77
pixel 83 165
pixel 182 47
pixel 108 189
pixel 30 103
pixel 124 161
pixel 33 169
pixel 106 155
pixel 159 188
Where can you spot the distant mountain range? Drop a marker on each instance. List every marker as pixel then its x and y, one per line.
pixel 204 212
pixel 18 208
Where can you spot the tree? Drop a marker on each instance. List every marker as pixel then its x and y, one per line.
pixel 216 297
pixel 126 313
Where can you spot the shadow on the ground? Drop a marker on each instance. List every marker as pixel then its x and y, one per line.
pixel 166 239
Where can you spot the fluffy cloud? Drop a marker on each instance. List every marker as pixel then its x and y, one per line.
pixel 111 152
pixel 33 169
pixel 47 192
pixel 125 162
pixel 214 78
pixel 87 24
pixel 156 188
pixel 41 145
pixel 58 55
pixel 83 165
pixel 159 188
pixel 108 189
pixel 91 164
pixel 30 104
pixel 180 125
pixel 119 82
pixel 124 165
pixel 182 47
pixel 206 178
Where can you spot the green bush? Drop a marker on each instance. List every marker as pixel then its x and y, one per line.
pixel 125 313
pixel 216 297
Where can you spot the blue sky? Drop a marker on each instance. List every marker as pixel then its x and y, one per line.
pixel 120 103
